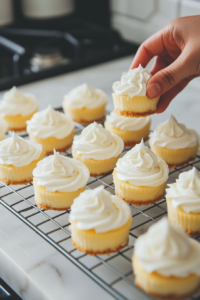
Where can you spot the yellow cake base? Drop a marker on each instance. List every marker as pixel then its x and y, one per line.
pixel 93 243
pixel 190 222
pixel 51 143
pixel 18 123
pixel 163 287
pixel 54 200
pixel 97 167
pixel 84 115
pixel 130 138
pixel 18 175
pixel 138 195
pixel 138 106
pixel 175 157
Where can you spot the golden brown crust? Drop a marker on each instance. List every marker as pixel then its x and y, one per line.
pixel 101 174
pixel 181 164
pixel 58 150
pixel 8 181
pixel 170 297
pixel 17 129
pixel 107 251
pixel 134 114
pixel 192 233
pixel 47 207
pixel 86 122
pixel 139 203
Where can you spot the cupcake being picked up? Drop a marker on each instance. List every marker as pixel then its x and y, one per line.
pixel 3 129
pixel 58 180
pixel 52 129
pixel 183 202
pixel 85 104
pixel 100 222
pixel 16 108
pixel 129 95
pixel 18 158
pixel 140 176
pixel 131 130
pixel 166 262
pixel 174 143
pixel 98 149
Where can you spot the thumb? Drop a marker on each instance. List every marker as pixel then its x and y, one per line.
pixel 170 76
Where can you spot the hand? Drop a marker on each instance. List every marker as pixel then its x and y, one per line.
pixel 177 51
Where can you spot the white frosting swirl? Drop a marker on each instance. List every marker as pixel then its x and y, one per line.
pixel 85 96
pixel 15 103
pixel 98 143
pixel 3 128
pixel 126 123
pixel 61 173
pixel 133 83
pixel 50 123
pixel 173 135
pixel 18 152
pixel 185 193
pixel 97 209
pixel 141 167
pixel 167 250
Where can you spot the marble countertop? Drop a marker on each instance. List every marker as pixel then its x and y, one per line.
pixel 31 266
pixel 185 107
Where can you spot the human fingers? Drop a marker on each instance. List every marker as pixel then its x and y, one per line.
pixel 151 47
pixel 167 97
pixel 161 63
pixel 167 78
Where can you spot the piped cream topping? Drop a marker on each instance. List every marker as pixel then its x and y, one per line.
pixel 133 83
pixel 15 103
pixel 167 250
pixel 185 192
pixel 98 143
pixel 50 123
pixel 97 209
pixel 18 152
pixel 85 96
pixel 126 123
pixel 60 173
pixel 173 135
pixel 141 167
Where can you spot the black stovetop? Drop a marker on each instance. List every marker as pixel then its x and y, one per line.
pixel 6 293
pixel 27 55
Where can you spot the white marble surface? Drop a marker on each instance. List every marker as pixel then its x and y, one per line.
pixel 36 270
pixel 32 267
pixel 185 107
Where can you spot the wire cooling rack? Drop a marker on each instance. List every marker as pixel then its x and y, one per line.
pixel 113 273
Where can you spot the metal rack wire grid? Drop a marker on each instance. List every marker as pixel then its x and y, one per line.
pixel 113 273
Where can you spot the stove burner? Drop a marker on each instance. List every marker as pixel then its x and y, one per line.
pixel 27 55
pixel 46 58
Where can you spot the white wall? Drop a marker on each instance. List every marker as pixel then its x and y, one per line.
pixel 138 19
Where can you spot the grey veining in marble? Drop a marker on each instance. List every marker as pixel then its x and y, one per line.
pixel 33 268
pixel 36 270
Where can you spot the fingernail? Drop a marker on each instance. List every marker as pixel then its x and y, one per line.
pixel 153 90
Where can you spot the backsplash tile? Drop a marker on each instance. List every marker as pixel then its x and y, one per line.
pixel 120 6
pixel 168 8
pixel 141 9
pixel 138 19
pixel 189 8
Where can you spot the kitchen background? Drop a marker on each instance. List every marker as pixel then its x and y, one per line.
pixel 79 42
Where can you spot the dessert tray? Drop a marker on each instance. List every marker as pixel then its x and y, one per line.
pixel 113 273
